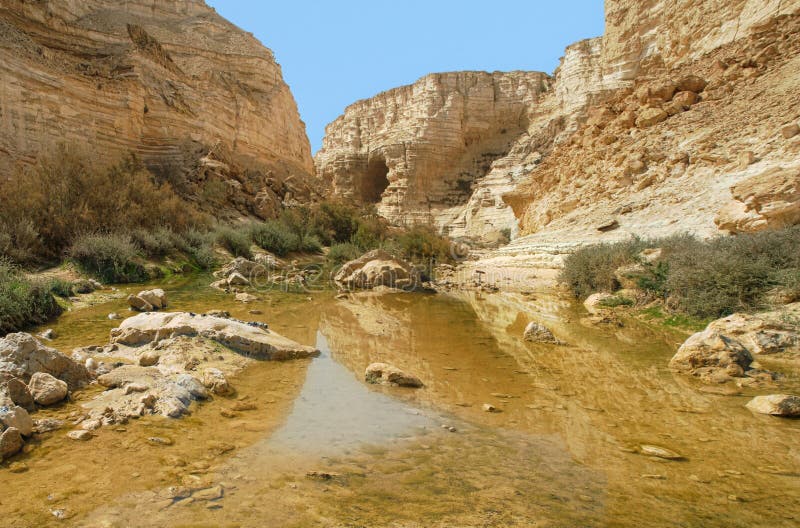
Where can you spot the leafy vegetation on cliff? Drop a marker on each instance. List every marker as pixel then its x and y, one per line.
pixel 701 278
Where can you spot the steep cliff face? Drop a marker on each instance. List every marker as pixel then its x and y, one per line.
pixel 677 31
pixel 155 77
pixel 420 150
pixel 707 145
pixel 646 130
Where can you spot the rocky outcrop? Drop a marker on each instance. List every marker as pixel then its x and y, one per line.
pixel 251 339
pixel 726 347
pixel 22 357
pixel 711 355
pixel 769 199
pixel 419 151
pixel 378 268
pixel 651 125
pixel 172 81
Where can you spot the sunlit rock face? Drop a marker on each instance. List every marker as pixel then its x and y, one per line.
pixel 152 77
pixel 614 133
pixel 420 150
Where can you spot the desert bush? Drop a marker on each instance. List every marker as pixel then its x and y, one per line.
pixel 234 240
pixel 112 258
pixel 341 253
pixel 158 242
pixel 60 287
pixel 591 268
pixel 421 243
pixel 276 237
pixel 702 278
pixel 68 193
pixel 23 302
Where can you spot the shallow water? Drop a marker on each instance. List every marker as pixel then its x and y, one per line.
pixel 561 453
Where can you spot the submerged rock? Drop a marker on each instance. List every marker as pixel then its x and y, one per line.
pixel 776 404
pixel 252 340
pixel 538 333
pixel 659 452
pixel 386 374
pixel 378 268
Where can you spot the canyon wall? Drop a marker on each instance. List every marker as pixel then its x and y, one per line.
pixel 641 131
pixel 165 79
pixel 419 150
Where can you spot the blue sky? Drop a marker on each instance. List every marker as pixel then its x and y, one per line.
pixel 336 52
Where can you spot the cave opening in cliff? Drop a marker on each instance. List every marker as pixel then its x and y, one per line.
pixel 375 181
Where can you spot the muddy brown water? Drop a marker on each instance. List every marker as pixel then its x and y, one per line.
pixel 562 451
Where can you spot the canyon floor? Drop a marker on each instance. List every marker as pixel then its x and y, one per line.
pixel 594 432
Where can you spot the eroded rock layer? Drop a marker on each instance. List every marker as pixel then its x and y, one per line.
pixel 157 78
pixel 419 150
pixel 666 123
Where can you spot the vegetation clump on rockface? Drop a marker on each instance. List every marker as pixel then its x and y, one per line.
pixel 702 278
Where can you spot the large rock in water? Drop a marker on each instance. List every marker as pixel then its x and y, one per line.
pixel 377 268
pixel 776 404
pixel 10 442
pixel 383 373
pixel 709 352
pixel 764 333
pixel 167 80
pixel 148 300
pixel 249 339
pixel 538 333
pixel 46 389
pixel 22 356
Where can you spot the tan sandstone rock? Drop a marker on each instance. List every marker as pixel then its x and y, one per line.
pixel 250 339
pixel 386 374
pixel 776 404
pixel 47 390
pixel 708 353
pixel 165 80
pixel 769 199
pixel 377 268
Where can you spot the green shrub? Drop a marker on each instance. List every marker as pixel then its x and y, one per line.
pixel 23 302
pixel 158 242
pixel 701 278
pixel 234 240
pixel 616 300
pixel 60 287
pixel 276 237
pixel 310 244
pixel 341 253
pixel 421 243
pixel 591 268
pixel 112 258
pixel 204 257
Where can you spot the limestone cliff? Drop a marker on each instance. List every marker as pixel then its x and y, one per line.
pixel 420 150
pixel 653 128
pixel 166 79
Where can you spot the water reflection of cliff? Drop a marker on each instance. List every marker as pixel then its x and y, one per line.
pixel 604 393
